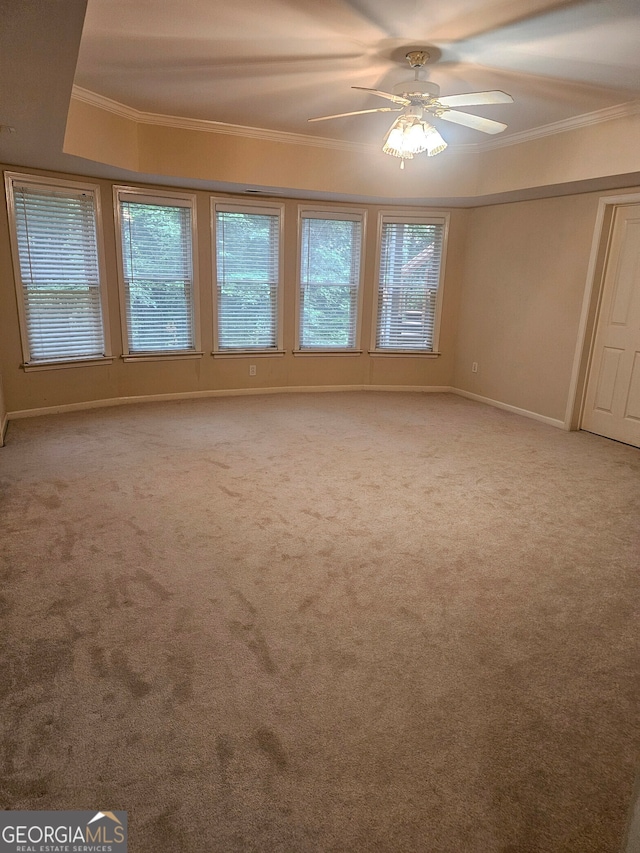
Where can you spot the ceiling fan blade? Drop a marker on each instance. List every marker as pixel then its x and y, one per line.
pixel 486 125
pixel 475 98
pixel 358 113
pixel 397 99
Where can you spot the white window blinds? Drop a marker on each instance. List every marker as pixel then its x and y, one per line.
pixel 329 281
pixel 55 231
pixel 158 274
pixel 410 264
pixel 248 277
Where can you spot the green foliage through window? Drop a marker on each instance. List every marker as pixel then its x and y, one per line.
pixel 158 274
pixel 408 285
pixel 247 279
pixel 329 280
pixel 56 237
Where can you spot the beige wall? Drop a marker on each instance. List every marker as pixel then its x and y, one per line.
pixel 200 150
pixel 595 151
pixel 302 163
pixel 521 299
pixel 102 136
pixel 35 389
pixel 515 279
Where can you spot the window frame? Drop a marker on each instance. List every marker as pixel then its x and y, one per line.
pixel 227 205
pixel 55 185
pixel 140 195
pixel 418 217
pixel 340 214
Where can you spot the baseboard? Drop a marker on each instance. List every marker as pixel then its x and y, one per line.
pixel 421 389
pixel 554 422
pixel 3 428
pixel 218 392
pixel 295 389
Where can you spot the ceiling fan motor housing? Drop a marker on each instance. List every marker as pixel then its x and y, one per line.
pixel 417 88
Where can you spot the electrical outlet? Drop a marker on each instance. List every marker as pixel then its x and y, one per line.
pixel 474 367
pixel 252 370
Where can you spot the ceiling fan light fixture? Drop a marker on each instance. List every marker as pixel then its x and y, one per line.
pixel 409 135
pixel 435 143
pixel 415 137
pixel 394 141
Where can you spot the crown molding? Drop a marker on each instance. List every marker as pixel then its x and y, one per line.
pixel 124 111
pixel 630 108
pixel 618 111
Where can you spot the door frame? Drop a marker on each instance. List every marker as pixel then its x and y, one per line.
pixel 591 302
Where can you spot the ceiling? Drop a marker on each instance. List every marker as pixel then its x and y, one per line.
pixel 277 63
pixel 273 65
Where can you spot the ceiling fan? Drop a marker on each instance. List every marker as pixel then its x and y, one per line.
pixel 410 134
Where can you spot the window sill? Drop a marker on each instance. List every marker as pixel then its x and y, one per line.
pixel 59 365
pixel 247 353
pixel 404 353
pixel 323 352
pixel 161 356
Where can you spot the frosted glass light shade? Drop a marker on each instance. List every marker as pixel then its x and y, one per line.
pixel 408 136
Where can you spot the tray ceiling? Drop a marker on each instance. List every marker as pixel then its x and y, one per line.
pixel 275 64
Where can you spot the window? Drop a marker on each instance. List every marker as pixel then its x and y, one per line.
pixel 409 282
pixel 330 250
pixel 58 269
pixel 248 275
pixel 156 246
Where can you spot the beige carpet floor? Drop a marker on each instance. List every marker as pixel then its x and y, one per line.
pixel 322 623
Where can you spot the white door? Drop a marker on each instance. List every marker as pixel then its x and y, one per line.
pixel 612 404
